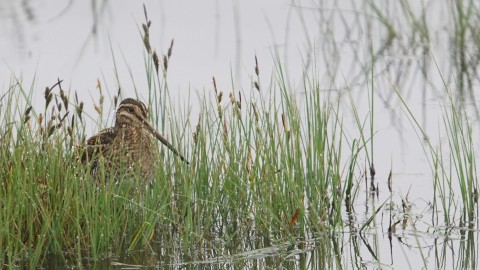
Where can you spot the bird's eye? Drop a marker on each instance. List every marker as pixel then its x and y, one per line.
pixel 130 110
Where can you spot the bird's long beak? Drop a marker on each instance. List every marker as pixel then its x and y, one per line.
pixel 163 140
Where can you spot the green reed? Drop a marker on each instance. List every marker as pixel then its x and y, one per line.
pixel 256 166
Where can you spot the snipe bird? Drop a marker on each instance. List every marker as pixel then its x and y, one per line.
pixel 129 146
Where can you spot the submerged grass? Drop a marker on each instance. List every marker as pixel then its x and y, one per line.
pixel 454 169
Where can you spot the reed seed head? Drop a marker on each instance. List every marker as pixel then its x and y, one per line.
pixel 170 49
pixel 255 112
pixel 219 97
pixel 215 86
pixel 156 61
pixel 257 86
pixel 79 110
pixel 146 43
pixel 165 63
pixel 239 102
pixel 27 114
pixel 64 99
pixel 48 96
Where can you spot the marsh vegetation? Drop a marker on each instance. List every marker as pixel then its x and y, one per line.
pixel 281 173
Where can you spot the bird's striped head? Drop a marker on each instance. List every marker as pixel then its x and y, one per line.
pixel 131 112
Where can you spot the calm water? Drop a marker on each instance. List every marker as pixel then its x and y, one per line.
pixel 75 40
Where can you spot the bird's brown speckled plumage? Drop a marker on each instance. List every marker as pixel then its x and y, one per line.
pixel 129 146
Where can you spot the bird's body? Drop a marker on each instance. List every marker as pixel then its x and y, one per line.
pixel 128 147
pixel 128 150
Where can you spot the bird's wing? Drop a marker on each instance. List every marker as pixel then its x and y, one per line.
pixel 99 143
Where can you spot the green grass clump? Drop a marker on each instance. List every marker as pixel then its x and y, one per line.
pixel 256 167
